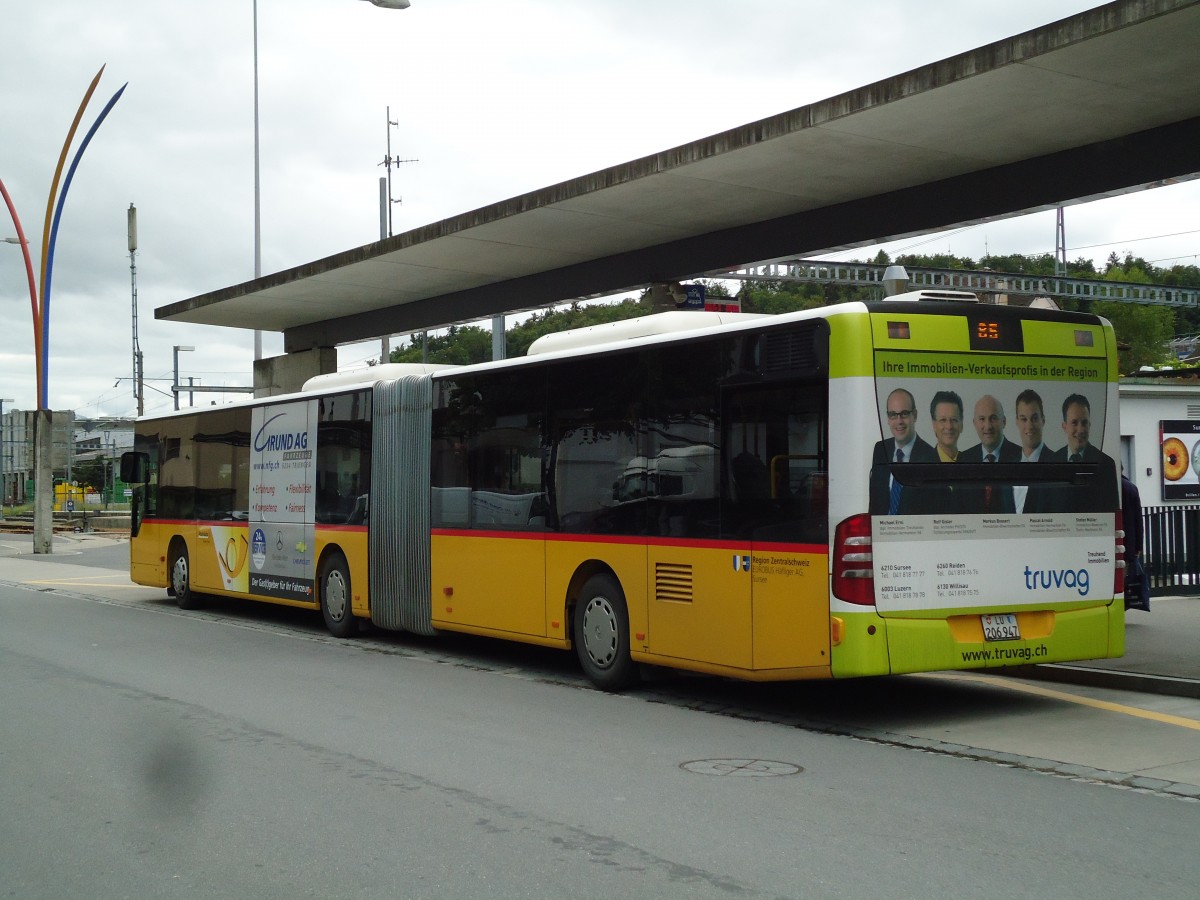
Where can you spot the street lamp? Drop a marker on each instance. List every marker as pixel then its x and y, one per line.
pixel 179 348
pixel 3 476
pixel 385 4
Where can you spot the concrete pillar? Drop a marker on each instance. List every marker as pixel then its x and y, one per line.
pixel 499 347
pixel 43 474
pixel 286 374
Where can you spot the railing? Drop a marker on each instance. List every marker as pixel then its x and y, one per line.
pixel 985 282
pixel 1171 548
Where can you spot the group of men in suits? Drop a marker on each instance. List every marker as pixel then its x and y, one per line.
pixel 888 496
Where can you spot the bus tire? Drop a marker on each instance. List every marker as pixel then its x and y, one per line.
pixel 601 632
pixel 335 597
pixel 181 578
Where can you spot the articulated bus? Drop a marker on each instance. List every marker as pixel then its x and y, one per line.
pixel 823 494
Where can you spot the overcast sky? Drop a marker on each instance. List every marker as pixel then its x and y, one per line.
pixel 494 98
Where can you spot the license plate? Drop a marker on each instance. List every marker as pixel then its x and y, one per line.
pixel 1000 628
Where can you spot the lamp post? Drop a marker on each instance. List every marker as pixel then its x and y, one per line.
pixel 384 4
pixel 3 443
pixel 179 348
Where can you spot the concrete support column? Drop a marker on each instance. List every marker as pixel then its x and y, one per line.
pixel 43 474
pixel 499 347
pixel 286 374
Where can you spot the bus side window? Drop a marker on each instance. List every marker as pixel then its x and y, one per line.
pixel 777 471
pixel 487 452
pixel 343 459
pixel 597 478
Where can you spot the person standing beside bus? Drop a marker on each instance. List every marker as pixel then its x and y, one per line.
pixel 1137 580
pixel 903 446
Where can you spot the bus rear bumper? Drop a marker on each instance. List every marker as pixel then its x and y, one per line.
pixel 956 642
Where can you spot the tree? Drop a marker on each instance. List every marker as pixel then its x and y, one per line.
pixel 461 345
pixel 1147 330
pixel 1132 270
pixel 91 473
pixel 936 261
pixel 521 335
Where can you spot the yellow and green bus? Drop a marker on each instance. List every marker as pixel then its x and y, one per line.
pixel 714 492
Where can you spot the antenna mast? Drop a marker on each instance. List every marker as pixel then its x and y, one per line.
pixel 138 392
pixel 390 162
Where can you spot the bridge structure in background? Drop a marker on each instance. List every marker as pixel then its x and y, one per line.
pixel 987 284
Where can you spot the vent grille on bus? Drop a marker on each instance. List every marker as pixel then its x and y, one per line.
pixel 790 350
pixel 673 581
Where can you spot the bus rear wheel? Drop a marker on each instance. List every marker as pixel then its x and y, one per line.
pixel 181 579
pixel 335 597
pixel 602 634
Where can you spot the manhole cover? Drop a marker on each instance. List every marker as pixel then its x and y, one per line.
pixel 745 767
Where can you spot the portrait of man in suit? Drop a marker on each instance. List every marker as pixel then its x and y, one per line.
pixel 989 421
pixel 904 446
pixel 946 411
pixel 1077 426
pixel 1031 424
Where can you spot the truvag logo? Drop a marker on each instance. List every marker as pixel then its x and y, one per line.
pixel 1045 579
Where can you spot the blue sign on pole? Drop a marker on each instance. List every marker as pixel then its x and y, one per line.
pixel 694 294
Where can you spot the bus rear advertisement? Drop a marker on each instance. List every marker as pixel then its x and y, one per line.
pixel 909 485
pixel 1017 538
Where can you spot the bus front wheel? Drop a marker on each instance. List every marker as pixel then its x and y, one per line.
pixel 181 579
pixel 602 634
pixel 335 597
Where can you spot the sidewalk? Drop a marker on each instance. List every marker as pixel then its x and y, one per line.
pixel 1162 654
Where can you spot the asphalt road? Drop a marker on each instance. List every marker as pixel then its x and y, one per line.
pixel 239 751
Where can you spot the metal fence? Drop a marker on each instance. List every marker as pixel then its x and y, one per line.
pixel 1171 548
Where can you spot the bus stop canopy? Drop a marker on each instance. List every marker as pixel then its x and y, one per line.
pixel 1096 104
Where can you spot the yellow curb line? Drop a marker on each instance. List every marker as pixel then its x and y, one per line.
pixel 1165 718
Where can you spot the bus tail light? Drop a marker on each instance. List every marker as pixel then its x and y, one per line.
pixel 1119 569
pixel 853 571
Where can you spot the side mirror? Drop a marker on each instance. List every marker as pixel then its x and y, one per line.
pixel 134 467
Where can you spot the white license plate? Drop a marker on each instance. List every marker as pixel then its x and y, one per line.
pixel 1000 628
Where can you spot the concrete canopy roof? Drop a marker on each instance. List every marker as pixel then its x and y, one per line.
pixel 1099 103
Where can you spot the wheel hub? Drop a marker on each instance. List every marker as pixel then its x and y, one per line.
pixel 600 631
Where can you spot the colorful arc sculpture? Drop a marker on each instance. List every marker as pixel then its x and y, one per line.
pixel 45 349
pixel 41 303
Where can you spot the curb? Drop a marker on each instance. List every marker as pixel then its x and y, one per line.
pixel 1167 685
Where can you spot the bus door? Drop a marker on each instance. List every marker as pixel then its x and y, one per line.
pixel 776 501
pixel 489 504
pixel 139 469
pixel 699 597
